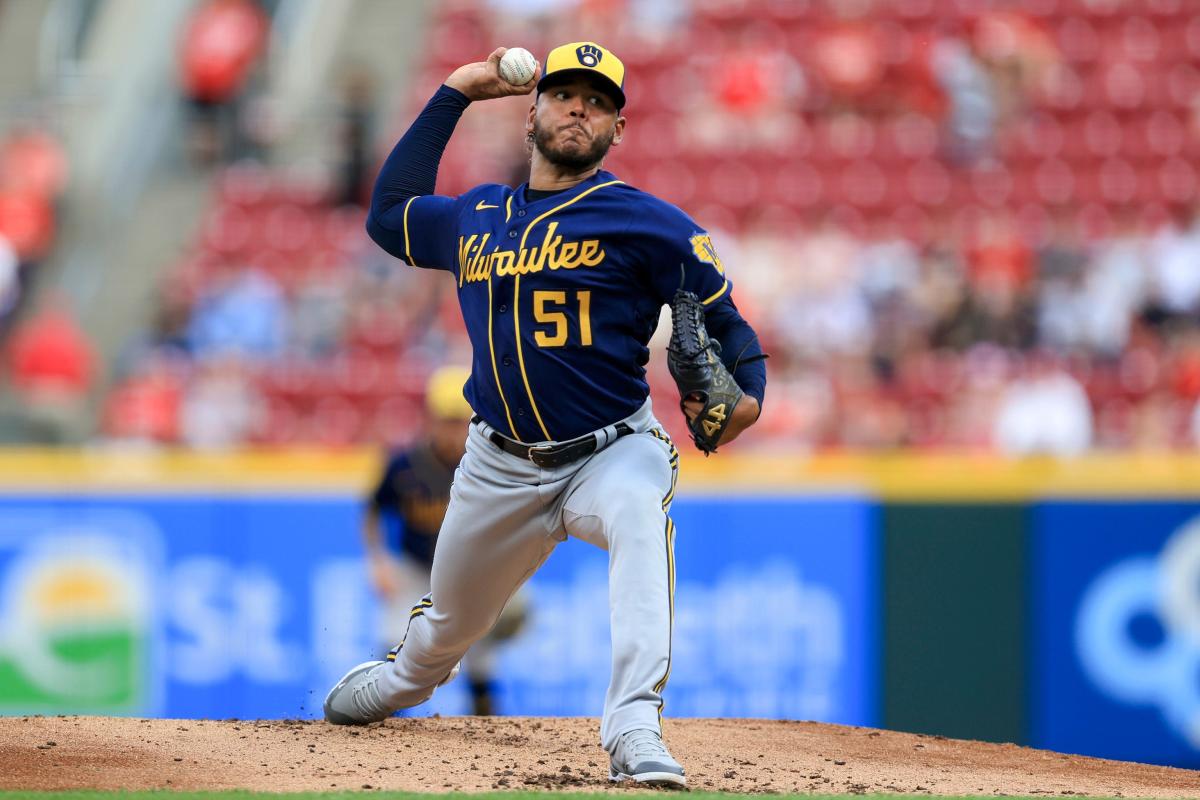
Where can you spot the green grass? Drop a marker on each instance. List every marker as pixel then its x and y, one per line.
pixel 234 794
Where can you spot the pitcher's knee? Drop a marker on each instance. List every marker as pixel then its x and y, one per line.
pixel 637 502
pixel 637 523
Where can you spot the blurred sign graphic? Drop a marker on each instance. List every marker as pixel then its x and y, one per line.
pixel 76 611
pixel 1118 629
pixel 254 606
pixel 774 616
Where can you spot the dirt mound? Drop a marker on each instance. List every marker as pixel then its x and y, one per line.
pixel 483 753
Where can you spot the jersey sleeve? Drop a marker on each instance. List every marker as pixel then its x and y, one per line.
pixel 386 497
pixel 421 231
pixel 678 253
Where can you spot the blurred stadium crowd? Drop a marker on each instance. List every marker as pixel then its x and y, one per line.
pixel 955 223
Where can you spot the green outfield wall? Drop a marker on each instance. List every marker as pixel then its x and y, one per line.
pixel 953 612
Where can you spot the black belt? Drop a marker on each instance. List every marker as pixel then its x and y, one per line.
pixel 549 456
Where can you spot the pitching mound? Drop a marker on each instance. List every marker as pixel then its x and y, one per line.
pixel 479 754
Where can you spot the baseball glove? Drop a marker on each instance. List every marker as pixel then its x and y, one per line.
pixel 695 363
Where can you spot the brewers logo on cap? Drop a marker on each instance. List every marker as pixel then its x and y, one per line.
pixel 589 54
pixel 590 58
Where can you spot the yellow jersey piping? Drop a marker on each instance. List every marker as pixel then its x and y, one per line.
pixel 492 351
pixel 517 297
pixel 407 241
pixel 662 684
pixel 718 293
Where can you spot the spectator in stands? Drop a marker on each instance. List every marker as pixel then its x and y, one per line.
pixel 52 366
pixel 33 173
pixel 848 57
pixel 144 408
pixel 746 94
pixel 1114 289
pixel 31 160
pixel 317 316
pixel 1020 55
pixel 246 315
pixel 657 22
pixel 971 113
pixel 221 44
pixel 27 222
pixel 1060 264
pixel 826 310
pixel 354 136
pixel 1045 411
pixel 221 406
pixel 1175 267
pixel 10 283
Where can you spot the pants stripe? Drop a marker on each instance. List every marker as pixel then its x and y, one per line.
pixel 674 461
pixel 669 535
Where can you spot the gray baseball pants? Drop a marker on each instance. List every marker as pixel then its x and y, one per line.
pixel 506 515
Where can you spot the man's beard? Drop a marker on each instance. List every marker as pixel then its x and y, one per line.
pixel 577 160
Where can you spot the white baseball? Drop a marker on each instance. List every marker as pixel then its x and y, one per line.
pixel 517 66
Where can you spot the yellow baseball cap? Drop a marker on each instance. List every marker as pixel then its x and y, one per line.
pixel 444 393
pixel 590 58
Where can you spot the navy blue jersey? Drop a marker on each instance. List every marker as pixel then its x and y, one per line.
pixel 414 492
pixel 560 295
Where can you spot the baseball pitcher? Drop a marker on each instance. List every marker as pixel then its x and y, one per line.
pixel 561 282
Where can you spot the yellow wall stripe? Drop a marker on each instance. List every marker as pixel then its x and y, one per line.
pixel 512 429
pixel 517 297
pixel 407 241
pixel 900 475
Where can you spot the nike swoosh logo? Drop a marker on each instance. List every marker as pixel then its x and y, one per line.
pixel 480 206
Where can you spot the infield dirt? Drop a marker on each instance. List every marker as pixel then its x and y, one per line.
pixel 485 753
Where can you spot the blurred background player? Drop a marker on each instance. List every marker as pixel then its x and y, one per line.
pixel 401 523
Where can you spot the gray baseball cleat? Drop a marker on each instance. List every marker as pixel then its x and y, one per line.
pixel 356 700
pixel 640 755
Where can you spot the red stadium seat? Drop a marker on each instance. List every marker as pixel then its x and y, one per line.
pixel 1095 221
pixel 796 185
pixel 396 421
pixel 1102 134
pixel 1134 38
pixel 928 183
pixel 1177 181
pixel 243 184
pixel 334 421
pixel 864 185
pixel 1183 84
pixel 671 181
pixel 1117 182
pixel 992 186
pixel 1077 39
pixel 1124 86
pixel 1055 182
pixel 1040 136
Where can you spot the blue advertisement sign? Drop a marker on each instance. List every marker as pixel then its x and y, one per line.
pixel 1116 630
pixel 180 607
pixel 775 616
pixel 248 607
